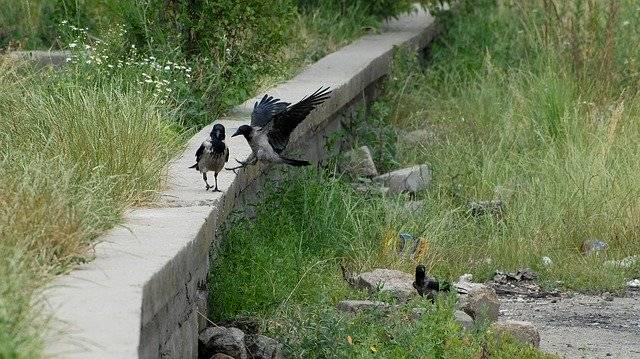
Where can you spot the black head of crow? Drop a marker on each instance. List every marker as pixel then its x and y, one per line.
pixel 272 122
pixel 212 155
pixel 427 286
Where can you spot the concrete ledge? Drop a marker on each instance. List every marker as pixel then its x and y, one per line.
pixel 142 295
pixel 40 58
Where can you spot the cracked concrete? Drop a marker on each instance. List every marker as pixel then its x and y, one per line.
pixel 582 326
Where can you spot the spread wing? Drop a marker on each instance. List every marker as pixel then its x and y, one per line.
pixel 286 121
pixel 265 110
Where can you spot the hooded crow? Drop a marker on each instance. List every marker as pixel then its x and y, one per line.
pixel 427 286
pixel 272 122
pixel 212 155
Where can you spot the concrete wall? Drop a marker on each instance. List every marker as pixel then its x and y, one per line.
pixel 144 295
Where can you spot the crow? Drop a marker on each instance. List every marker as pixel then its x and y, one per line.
pixel 427 286
pixel 272 122
pixel 212 154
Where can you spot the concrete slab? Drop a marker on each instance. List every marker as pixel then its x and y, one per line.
pixel 139 296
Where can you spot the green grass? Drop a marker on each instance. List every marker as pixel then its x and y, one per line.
pixel 80 145
pixel 283 268
pixel 512 112
pixel 534 103
pixel 72 159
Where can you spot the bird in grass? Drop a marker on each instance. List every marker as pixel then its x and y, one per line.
pixel 272 122
pixel 212 154
pixel 427 286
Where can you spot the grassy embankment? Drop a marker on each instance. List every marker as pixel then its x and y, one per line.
pixel 79 145
pixel 532 103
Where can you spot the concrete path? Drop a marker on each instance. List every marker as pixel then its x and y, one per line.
pixel 582 326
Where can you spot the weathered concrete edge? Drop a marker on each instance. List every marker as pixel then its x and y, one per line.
pixel 102 306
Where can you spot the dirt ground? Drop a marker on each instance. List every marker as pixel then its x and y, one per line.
pixel 582 326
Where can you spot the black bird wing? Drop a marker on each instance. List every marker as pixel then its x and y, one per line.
pixel 199 152
pixel 226 154
pixel 265 110
pixel 286 121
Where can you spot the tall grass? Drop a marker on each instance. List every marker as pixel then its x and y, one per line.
pixel 79 146
pixel 72 159
pixel 283 269
pixel 536 104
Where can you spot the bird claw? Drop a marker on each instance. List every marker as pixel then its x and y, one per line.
pixel 217 190
pixel 234 169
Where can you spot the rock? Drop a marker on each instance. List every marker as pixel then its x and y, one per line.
pixel 229 341
pixel 411 179
pixel 247 324
pixel 495 208
pixel 414 206
pixel 546 261
pixel 466 278
pixel 591 245
pixel 607 296
pixel 358 162
pixel 524 332
pixel 41 58
pixel 524 274
pixel 221 356
pixel 463 319
pixel 397 283
pixel 479 301
pixel 262 347
pixel 356 306
pixel 634 284
pixel 624 263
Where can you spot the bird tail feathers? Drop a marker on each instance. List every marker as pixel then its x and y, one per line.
pixel 296 163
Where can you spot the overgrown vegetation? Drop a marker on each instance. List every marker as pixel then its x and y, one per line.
pixel 79 145
pixel 234 48
pixel 283 268
pixel 533 103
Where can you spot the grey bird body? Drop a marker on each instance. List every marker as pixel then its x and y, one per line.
pixel 261 150
pixel 212 154
pixel 211 160
pixel 272 122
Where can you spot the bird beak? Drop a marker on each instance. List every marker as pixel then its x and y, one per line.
pixel 235 134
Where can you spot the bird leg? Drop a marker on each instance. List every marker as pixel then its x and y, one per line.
pixel 252 161
pixel 204 177
pixel 215 175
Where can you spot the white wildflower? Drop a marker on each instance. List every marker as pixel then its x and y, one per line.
pixel 72 45
pixel 167 68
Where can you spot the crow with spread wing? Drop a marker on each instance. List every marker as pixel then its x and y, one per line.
pixel 272 123
pixel 212 154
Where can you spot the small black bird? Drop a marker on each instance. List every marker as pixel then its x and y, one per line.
pixel 272 122
pixel 212 155
pixel 427 286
